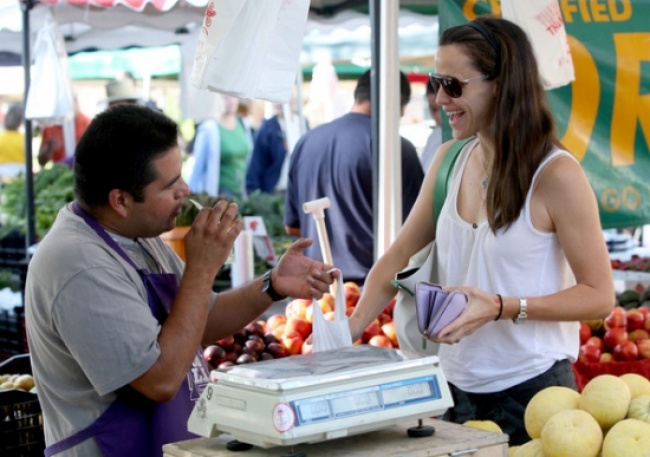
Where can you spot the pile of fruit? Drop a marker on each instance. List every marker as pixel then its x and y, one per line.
pixel 624 335
pixel 282 335
pixel 610 418
pixel 636 263
pixel 17 381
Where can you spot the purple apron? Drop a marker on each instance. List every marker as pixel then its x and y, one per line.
pixel 133 425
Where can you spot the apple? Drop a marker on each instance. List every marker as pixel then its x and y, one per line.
pixel 225 366
pixel 277 350
pixel 626 351
pixel 595 324
pixel 254 345
pixel 383 318
pixel 646 324
pixel 607 398
pixel 585 332
pixel 635 319
pixel 596 341
pixel 299 325
pixel 381 341
pixel 245 358
pixel 330 316
pixel 639 334
pixel 644 348
pixel 390 307
pixel 278 331
pixel 307 348
pixel 270 338
pixel 371 330
pixel 645 312
pixel 617 318
pixel 292 341
pixel 351 292
pixel 349 310
pixel 615 336
pixel 214 355
pixel 273 321
pixel 297 307
pixel 389 330
pixel 254 328
pixel 324 304
pixel 327 302
pixel 606 357
pixel 265 356
pixel 227 343
pixel 589 354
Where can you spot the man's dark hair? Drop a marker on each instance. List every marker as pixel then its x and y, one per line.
pixel 362 91
pixel 117 149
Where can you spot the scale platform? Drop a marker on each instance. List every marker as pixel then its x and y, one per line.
pixel 322 396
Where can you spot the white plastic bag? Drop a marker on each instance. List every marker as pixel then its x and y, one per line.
pixel 542 21
pixel 251 48
pixel 49 100
pixel 335 334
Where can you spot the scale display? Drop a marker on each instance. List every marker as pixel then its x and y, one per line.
pixel 367 399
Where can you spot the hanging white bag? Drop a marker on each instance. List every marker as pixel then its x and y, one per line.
pixel 542 22
pixel 49 99
pixel 251 49
pixel 333 334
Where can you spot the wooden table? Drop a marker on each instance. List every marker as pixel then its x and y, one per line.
pixel 449 440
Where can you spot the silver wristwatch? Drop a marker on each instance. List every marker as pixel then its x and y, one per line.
pixel 523 312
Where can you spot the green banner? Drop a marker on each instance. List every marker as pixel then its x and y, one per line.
pixel 603 117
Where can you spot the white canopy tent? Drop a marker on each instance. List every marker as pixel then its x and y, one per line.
pixel 114 24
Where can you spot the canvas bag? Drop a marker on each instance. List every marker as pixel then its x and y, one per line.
pixel 542 22
pixel 421 267
pixel 335 334
pixel 250 48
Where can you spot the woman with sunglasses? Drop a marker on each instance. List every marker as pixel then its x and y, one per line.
pixel 519 232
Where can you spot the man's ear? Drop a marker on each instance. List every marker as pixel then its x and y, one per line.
pixel 120 201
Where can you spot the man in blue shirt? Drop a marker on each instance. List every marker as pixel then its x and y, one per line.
pixel 335 160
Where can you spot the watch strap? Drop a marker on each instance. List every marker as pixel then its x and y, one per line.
pixel 268 288
pixel 523 312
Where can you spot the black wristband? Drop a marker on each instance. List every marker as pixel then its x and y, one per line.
pixel 268 288
pixel 500 308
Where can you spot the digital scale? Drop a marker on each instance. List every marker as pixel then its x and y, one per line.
pixel 321 396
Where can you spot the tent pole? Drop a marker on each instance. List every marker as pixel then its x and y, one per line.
pixel 374 9
pixel 26 6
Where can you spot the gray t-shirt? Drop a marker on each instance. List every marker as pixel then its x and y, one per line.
pixel 89 327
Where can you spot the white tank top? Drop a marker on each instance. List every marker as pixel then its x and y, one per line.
pixel 521 262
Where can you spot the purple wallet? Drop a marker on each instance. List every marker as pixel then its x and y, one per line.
pixel 435 308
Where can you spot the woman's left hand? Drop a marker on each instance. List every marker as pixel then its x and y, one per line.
pixel 482 307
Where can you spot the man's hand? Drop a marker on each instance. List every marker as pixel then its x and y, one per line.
pixel 212 237
pixel 298 276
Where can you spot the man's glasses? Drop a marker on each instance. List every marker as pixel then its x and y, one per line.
pixel 452 86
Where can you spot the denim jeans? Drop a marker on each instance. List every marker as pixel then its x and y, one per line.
pixel 507 407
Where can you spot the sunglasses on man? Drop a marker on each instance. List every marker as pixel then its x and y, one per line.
pixel 452 86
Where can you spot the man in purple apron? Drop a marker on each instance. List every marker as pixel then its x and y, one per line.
pixel 115 320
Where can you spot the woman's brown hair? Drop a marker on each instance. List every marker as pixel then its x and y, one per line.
pixel 522 129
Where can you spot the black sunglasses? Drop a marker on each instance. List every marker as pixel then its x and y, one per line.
pixel 452 86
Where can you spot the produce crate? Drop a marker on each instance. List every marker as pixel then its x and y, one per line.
pixel 21 421
pixel 585 372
